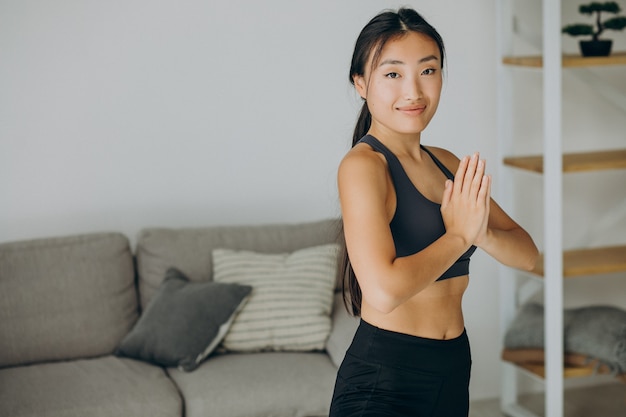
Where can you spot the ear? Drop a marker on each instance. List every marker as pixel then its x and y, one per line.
pixel 360 85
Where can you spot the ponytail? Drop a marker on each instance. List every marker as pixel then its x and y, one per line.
pixel 363 124
pixel 349 285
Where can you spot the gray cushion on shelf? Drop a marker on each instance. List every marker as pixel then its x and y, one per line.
pixel 102 387
pixel 526 330
pixel 596 331
pixel 277 384
pixel 189 249
pixel 184 322
pixel 344 327
pixel 65 298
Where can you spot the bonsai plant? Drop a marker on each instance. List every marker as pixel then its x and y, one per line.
pixel 597 46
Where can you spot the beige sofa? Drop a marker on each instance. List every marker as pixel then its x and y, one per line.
pixel 67 303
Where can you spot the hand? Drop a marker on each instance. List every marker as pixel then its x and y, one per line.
pixel 484 229
pixel 465 202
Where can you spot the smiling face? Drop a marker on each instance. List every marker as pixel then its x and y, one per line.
pixel 403 87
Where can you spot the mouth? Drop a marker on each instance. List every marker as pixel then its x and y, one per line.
pixel 412 110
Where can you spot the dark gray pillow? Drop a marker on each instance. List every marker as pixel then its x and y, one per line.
pixel 600 332
pixel 596 331
pixel 526 330
pixel 184 322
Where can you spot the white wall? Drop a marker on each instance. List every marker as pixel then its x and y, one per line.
pixel 120 115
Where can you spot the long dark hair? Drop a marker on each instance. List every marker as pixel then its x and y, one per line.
pixel 386 26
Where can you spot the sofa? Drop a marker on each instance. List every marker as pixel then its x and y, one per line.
pixel 91 327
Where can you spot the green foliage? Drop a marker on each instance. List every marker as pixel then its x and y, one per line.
pixel 581 29
pixel 616 23
pixel 609 6
pixel 578 29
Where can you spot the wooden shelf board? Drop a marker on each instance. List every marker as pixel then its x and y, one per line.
pixel 574 364
pixel 574 162
pixel 593 261
pixel 569 60
pixel 568 371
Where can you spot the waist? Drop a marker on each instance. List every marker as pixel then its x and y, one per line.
pixel 435 312
pixel 400 350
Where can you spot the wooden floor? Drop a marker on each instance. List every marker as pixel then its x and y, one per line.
pixel 607 400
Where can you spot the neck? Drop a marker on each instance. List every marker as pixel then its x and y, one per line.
pixel 398 143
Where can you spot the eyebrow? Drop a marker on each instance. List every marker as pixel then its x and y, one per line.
pixel 398 62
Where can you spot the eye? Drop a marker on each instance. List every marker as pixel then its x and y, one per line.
pixel 429 71
pixel 392 75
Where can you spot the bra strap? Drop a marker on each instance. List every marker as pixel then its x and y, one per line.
pixel 441 166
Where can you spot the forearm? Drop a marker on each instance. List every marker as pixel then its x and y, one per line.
pixel 406 276
pixel 514 247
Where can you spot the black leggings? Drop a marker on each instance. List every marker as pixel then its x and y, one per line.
pixel 386 373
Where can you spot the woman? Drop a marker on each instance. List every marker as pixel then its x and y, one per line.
pixel 410 228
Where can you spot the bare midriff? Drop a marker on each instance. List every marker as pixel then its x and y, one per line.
pixel 433 313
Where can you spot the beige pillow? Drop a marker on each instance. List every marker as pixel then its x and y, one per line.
pixel 291 300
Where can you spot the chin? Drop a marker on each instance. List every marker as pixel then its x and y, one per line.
pixel 411 128
pixel 412 131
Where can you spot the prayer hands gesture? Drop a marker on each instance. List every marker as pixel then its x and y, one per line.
pixel 466 200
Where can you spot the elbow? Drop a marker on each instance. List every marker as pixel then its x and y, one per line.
pixel 531 261
pixel 382 301
pixel 385 308
pixel 529 252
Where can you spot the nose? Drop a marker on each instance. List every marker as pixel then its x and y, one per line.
pixel 412 89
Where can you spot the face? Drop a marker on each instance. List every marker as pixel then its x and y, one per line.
pixel 403 88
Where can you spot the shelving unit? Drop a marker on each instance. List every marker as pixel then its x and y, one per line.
pixel 567 60
pixel 573 162
pixel 555 264
pixel 594 261
pixel 569 372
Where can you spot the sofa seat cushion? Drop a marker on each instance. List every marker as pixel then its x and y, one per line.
pixel 100 387
pixel 258 385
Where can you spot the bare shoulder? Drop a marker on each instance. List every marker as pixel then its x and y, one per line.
pixel 363 181
pixel 450 160
pixel 362 161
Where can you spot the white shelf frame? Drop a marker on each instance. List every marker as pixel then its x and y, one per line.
pixel 553 213
pixel 552 206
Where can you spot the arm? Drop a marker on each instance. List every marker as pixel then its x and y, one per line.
pixel 506 241
pixel 500 236
pixel 385 280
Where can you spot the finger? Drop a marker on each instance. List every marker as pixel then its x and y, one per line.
pixel 477 180
pixel 459 177
pixel 447 193
pixel 484 194
pixel 482 167
pixel 470 173
pixel 488 196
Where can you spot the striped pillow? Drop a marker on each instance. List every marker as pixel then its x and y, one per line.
pixel 291 300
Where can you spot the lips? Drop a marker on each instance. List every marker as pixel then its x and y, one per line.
pixel 412 110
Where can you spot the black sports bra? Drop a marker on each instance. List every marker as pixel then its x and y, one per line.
pixel 417 221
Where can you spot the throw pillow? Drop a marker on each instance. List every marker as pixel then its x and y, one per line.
pixel 290 304
pixel 599 332
pixel 184 322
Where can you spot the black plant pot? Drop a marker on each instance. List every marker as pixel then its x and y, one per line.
pixel 596 48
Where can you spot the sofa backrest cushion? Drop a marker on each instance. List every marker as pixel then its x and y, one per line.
pixel 189 249
pixel 65 298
